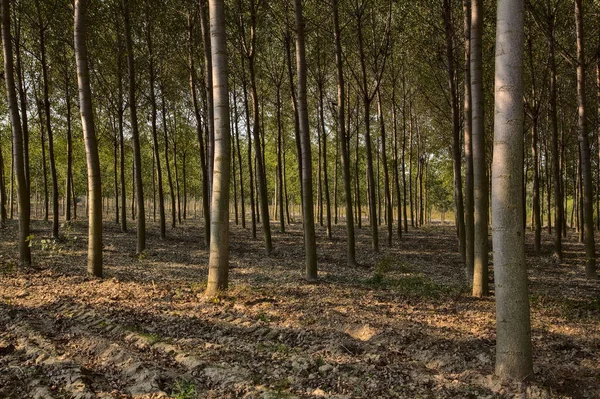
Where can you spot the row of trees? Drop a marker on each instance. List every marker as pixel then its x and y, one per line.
pixel 167 97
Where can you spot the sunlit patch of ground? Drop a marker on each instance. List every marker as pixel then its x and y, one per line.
pixel 400 325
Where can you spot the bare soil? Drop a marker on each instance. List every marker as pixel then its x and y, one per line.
pixel 399 326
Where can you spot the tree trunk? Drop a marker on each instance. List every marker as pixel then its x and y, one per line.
pixel 208 82
pixel 249 136
pixel 22 97
pixel 513 340
pixel 310 247
pixel 324 156
pixel 39 105
pixel 468 134
pixel 218 262
pixel 3 214
pixel 395 160
pixel 558 196
pixel 18 158
pixel 135 136
pixel 203 166
pixel 261 178
pixel 239 158
pixel 153 113
pixel 280 160
pixel 386 176
pixel 480 177
pixel 46 99
pixel 456 153
pixel 367 126
pixel 120 113
pixel 584 148
pixel 69 181
pixel 91 146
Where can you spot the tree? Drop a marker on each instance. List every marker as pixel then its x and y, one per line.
pixel 468 134
pixel 42 26
pixel 310 246
pixel 458 193
pixel 135 135
pixel 480 176
pixel 152 80
pixel 18 158
pixel 513 331
pixel 218 263
pixel 584 149
pixel 342 136
pixel 94 266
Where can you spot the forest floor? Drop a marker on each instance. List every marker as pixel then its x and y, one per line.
pixel 399 326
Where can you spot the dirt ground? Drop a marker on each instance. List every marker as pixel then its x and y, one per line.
pixel 399 326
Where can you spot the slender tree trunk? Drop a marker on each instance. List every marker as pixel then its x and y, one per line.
pixel 395 160
pixel 261 178
pixel 404 203
pixel 115 172
pixel 22 95
pixel 468 134
pixel 250 169
pixel 120 116
pixel 135 136
pixel 43 145
pixel 310 247
pixel 288 51
pixel 18 153
pixel 69 173
pixel 410 165
pixel 203 164
pixel 513 340
pixel 46 99
pixel 153 116
pixel 456 153
pixel 3 214
pixel 239 158
pixel 324 156
pixel 480 177
pixel 91 146
pixel 218 262
pixel 367 125
pixel 280 160
pixel 584 148
pixel 558 196
pixel 208 81
pixel 177 182
pixel 386 176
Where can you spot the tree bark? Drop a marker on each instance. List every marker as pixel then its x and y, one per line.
pixel 386 176
pixel 153 116
pixel 208 81
pixel 558 196
pixel 343 139
pixel 46 98
pixel 456 153
pixel 94 266
pixel 468 134
pixel 480 177
pixel 584 148
pixel 218 262
pixel 135 136
pixel 513 341
pixel 310 246
pixel 239 158
pixel 367 126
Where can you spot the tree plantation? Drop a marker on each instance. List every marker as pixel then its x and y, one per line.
pixel 297 199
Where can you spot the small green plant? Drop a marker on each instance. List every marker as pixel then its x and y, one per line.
pixel 263 317
pixel 183 390
pixel 29 239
